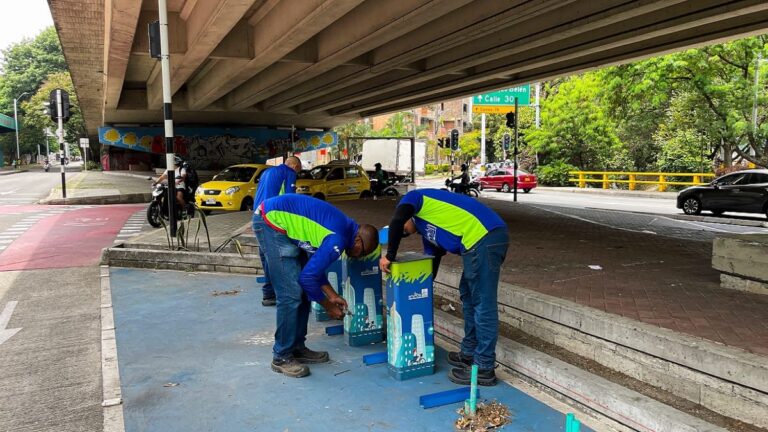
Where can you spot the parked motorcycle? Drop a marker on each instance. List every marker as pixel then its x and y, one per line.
pixel 158 208
pixel 472 188
pixel 46 166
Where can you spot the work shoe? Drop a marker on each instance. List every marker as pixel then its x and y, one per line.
pixel 458 359
pixel 290 367
pixel 463 376
pixel 307 356
pixel 269 301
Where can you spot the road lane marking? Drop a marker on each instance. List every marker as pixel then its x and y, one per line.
pixel 5 317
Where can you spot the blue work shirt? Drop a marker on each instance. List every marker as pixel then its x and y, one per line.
pixel 450 221
pixel 274 182
pixel 315 226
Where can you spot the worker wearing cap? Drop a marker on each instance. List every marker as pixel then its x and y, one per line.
pixel 303 236
pixel 450 222
pixel 274 182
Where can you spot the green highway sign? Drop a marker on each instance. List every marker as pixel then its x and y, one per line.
pixel 7 122
pixel 505 97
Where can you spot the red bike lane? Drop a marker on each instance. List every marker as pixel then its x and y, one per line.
pixel 71 239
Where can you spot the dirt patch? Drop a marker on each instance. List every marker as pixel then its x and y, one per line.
pixel 233 292
pixel 488 416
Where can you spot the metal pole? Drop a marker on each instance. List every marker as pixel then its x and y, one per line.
pixel 754 103
pixel 413 160
pixel 482 139
pixel 85 158
pixel 16 126
pixel 60 133
pixel 168 114
pixel 514 154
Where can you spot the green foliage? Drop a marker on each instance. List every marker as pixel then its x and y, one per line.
pixel 91 165
pixel 576 126
pixel 35 121
pixel 469 145
pixel 353 129
pixel 24 67
pixel 555 173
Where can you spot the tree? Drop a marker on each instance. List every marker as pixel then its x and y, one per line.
pixel 575 126
pixel 469 145
pixel 35 122
pixel 360 128
pixel 23 68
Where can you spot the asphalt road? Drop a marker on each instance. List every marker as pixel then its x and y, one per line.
pixel 32 186
pixel 640 214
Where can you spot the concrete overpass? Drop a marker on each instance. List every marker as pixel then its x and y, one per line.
pixel 318 63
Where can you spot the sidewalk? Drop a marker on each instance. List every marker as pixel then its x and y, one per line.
pixel 96 187
pixel 192 360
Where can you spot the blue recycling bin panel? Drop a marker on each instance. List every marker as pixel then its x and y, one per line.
pixel 410 331
pixel 363 293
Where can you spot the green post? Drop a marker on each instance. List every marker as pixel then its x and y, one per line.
pixel 473 391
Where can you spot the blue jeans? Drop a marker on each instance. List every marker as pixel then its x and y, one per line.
pixel 267 292
pixel 478 290
pixel 286 260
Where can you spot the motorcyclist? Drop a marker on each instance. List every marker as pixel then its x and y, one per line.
pixel 181 187
pixel 463 186
pixel 380 177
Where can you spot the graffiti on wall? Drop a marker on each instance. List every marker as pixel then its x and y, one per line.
pixel 219 147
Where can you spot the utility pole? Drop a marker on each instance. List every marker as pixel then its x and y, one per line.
pixel 482 139
pixel 16 124
pixel 60 133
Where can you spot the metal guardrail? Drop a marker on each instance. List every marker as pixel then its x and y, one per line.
pixel 635 178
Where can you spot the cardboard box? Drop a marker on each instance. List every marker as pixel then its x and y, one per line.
pixel 362 291
pixel 410 332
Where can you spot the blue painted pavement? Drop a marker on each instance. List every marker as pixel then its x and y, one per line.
pixel 193 361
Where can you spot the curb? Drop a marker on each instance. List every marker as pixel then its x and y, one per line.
pixel 124 174
pixel 619 404
pixel 112 396
pixel 615 192
pixel 718 220
pixel 181 260
pixel 135 198
pixel 2 173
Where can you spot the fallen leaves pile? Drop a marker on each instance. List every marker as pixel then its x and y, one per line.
pixel 488 416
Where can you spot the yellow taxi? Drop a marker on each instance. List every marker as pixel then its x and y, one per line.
pixel 336 181
pixel 231 190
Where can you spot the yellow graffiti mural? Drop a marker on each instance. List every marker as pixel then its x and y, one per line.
pixel 130 139
pixel 112 135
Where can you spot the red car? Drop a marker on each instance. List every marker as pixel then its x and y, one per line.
pixel 502 179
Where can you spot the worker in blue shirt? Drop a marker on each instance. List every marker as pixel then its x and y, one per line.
pixel 303 236
pixel 273 182
pixel 455 223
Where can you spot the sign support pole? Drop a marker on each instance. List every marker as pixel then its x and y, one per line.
pixel 482 139
pixel 514 153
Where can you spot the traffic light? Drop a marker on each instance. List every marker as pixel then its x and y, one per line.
pixel 440 143
pixel 506 141
pixel 53 106
pixel 511 119
pixel 454 139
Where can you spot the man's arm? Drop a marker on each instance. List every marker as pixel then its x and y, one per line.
pixel 396 226
pixel 312 278
pixel 290 183
pixel 437 252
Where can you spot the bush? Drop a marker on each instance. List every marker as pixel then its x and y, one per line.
pixel 444 168
pixel 430 169
pixel 555 173
pixel 91 165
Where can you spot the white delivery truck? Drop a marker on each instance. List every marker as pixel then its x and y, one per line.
pixel 393 155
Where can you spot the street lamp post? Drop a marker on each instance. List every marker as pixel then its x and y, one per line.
pixel 16 123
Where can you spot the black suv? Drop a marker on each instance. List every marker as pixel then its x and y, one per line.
pixel 741 191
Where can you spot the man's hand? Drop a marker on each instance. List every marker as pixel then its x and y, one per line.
pixel 384 264
pixel 333 304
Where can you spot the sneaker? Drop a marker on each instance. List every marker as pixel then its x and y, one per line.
pixel 307 356
pixel 269 301
pixel 463 376
pixel 458 359
pixel 290 367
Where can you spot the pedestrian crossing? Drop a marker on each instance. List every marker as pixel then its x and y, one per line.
pixel 132 227
pixel 16 230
